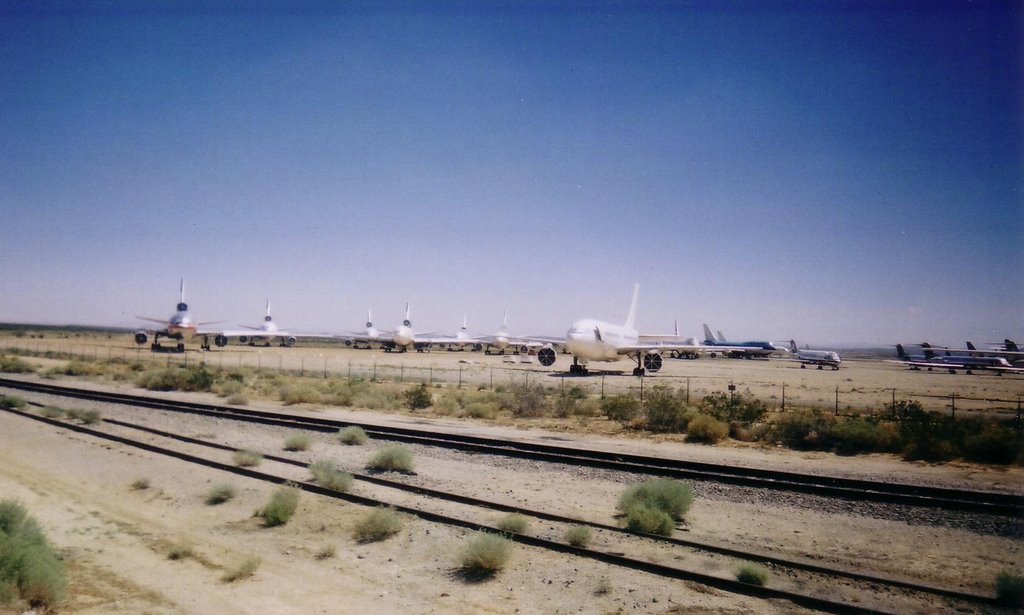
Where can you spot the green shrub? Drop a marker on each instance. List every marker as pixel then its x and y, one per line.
pixel 994 444
pixel 247 459
pixel 1010 589
pixel 578 535
pixel 238 399
pixel 485 555
pixel 752 574
pixel 418 397
pixel 621 408
pixel 281 506
pixel 480 410
pixel 28 563
pixel 90 417
pixel 525 401
pixel 664 411
pixel 297 442
pixel 647 519
pixel 393 458
pixel 12 401
pixel 513 523
pixel 669 496
pixel 738 408
pixel 300 394
pixel 220 493
pixel 243 571
pixel 327 474
pixel 14 365
pixel 379 524
pixel 804 430
pixel 353 435
pixel 706 429
pixel 72 414
pixel 864 435
pixel 51 412
pixel 176 379
pixel 227 388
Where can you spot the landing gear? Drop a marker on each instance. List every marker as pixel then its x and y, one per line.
pixel 577 369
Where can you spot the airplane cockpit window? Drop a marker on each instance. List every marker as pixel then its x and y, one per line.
pixel 182 307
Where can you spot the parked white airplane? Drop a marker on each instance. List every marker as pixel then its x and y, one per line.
pixel 503 340
pixel 265 333
pixel 821 358
pixel 369 335
pixel 594 340
pixel 179 326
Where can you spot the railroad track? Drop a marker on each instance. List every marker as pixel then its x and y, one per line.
pixel 616 559
pixel 1004 504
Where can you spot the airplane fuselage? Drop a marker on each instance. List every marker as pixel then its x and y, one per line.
pixel 593 340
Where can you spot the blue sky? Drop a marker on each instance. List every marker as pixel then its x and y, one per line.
pixel 834 172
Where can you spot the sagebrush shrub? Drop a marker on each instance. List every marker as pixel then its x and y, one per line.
pixel 485 555
pixel 327 474
pixel 393 458
pixel 281 506
pixel 752 574
pixel 513 523
pixel 353 435
pixel 671 497
pixel 379 524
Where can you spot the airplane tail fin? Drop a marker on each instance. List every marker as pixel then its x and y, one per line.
pixel 676 328
pixel 721 336
pixel 464 321
pixel 408 321
pixel 792 346
pixel 1011 345
pixel 970 346
pixel 928 352
pixel 631 318
pixel 182 289
pixel 267 317
pixel 708 335
pixel 900 352
pixel 504 321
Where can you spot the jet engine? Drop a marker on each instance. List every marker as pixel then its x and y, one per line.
pixel 289 341
pixel 546 356
pixel 242 339
pixel 652 362
pixel 478 347
pixel 348 343
pixel 140 337
pixel 221 341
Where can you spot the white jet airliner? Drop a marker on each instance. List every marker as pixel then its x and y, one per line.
pixel 265 334
pixel 593 340
pixel 178 327
pixel 820 358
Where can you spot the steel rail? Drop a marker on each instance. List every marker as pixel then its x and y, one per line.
pixel 692 544
pixel 829 486
pixel 725 584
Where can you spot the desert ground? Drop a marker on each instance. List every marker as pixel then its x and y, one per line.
pixel 116 538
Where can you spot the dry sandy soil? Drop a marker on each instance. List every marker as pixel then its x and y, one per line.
pixel 116 538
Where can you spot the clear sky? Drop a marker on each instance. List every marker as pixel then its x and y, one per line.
pixel 837 172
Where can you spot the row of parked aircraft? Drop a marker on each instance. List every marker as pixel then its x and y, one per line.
pixel 1005 359
pixel 588 340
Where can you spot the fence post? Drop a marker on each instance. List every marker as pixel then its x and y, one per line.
pixel 302 366
pixel 492 378
pixel 641 388
pixel 1018 412
pixel 837 400
pixel 325 367
pixel 687 390
pixel 783 396
pixel 401 373
pixel 952 401
pixel 602 396
pixel 460 376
